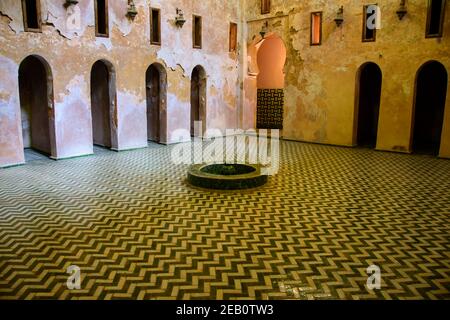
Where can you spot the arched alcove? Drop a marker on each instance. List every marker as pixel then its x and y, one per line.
pixel 36 102
pixel 270 54
pixel 429 108
pixel 156 92
pixel 271 58
pixel 103 104
pixel 198 98
pixel 368 97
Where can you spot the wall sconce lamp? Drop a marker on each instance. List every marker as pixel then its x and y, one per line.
pixel 264 29
pixel 131 12
pixel 402 10
pixel 179 19
pixel 339 20
pixel 70 2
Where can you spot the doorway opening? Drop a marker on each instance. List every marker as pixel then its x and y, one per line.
pixel 369 82
pixel 36 103
pixel 430 96
pixel 271 58
pixel 198 99
pixel 103 102
pixel 156 92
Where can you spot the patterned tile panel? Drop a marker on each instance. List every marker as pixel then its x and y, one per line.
pixel 270 104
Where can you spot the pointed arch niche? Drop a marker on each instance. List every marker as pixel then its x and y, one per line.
pixel 266 60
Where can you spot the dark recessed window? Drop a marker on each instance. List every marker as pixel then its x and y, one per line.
pixel 31 15
pixel 155 26
pixel 233 37
pixel 316 28
pixel 197 32
pixel 369 23
pixel 265 6
pixel 435 20
pixel 101 18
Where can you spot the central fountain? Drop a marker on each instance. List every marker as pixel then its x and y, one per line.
pixel 226 176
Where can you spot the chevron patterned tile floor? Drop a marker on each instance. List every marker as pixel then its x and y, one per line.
pixel 136 230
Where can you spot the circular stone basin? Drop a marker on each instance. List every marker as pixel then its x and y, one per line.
pixel 226 176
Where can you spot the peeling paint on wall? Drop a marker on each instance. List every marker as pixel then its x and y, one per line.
pixel 71 52
pixel 73 119
pixel 10 124
pixel 321 80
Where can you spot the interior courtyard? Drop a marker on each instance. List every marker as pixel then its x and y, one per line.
pixel 98 97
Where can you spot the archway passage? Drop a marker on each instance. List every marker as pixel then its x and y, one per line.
pixel 156 83
pixel 102 100
pixel 431 93
pixel 36 99
pixel 271 58
pixel 369 96
pixel 198 99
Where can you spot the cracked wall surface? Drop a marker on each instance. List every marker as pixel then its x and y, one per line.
pixel 321 80
pixel 71 52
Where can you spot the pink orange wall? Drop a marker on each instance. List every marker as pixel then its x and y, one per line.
pixel 271 60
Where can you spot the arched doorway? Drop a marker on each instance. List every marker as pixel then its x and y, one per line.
pixel 271 57
pixel 156 88
pixel 198 99
pixel 103 102
pixel 36 102
pixel 430 96
pixel 369 81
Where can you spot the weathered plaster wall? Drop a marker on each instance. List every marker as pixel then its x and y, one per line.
pixel 11 140
pixel 321 80
pixel 72 52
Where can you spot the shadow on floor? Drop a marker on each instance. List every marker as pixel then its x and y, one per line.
pixel 32 155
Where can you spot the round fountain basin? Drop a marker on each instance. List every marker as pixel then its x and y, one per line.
pixel 226 176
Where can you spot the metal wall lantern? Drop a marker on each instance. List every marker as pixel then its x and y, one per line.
pixel 132 11
pixel 179 19
pixel 339 20
pixel 70 3
pixel 402 10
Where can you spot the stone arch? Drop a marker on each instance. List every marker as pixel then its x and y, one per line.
pixel 198 99
pixel 37 105
pixel 369 80
pixel 156 93
pixel 271 59
pixel 267 61
pixel 104 104
pixel 429 108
